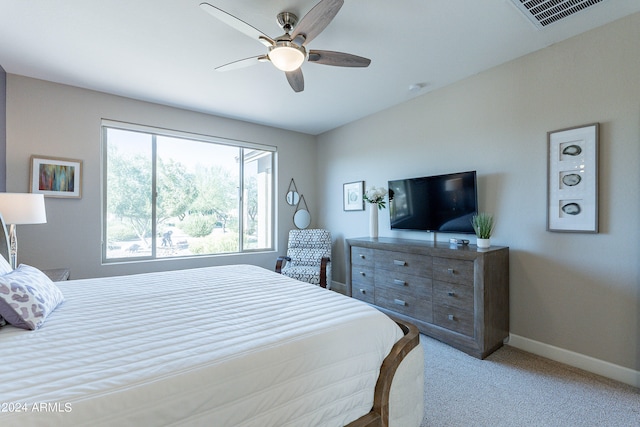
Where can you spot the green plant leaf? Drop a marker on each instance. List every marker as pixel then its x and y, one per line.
pixel 483 224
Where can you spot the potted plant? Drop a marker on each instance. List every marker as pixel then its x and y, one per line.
pixel 483 226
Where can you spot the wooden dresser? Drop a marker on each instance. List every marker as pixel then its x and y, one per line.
pixel 456 294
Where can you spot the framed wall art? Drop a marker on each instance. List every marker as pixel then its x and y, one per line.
pixel 572 204
pixel 352 196
pixel 56 177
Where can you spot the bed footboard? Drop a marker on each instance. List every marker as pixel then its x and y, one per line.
pixel 379 415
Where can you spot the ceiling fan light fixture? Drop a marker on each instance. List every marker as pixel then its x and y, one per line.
pixel 286 56
pixel 288 52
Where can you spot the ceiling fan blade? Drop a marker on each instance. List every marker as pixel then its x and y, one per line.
pixel 238 24
pixel 337 59
pixel 296 80
pixel 317 19
pixel 242 63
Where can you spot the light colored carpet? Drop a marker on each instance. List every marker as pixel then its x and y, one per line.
pixel 515 388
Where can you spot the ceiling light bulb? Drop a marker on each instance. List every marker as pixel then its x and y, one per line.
pixel 286 56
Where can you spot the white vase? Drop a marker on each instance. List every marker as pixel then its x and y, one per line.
pixel 373 220
pixel 483 243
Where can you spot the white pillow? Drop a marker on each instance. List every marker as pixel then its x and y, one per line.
pixel 5 267
pixel 27 297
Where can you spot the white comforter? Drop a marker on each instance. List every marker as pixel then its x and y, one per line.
pixel 219 346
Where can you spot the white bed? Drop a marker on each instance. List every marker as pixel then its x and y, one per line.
pixel 219 346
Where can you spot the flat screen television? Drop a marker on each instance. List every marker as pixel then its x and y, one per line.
pixel 438 203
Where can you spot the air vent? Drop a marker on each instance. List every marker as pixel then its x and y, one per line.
pixel 545 12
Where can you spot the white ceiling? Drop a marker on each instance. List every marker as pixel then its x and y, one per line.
pixel 165 51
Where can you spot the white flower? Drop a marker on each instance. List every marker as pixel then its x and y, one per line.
pixel 376 195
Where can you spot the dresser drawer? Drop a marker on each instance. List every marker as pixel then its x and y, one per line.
pixel 454 319
pixel 362 283
pixel 362 274
pixel 419 286
pixel 403 262
pixel 453 270
pixel 362 256
pixel 363 291
pixel 453 295
pixel 402 302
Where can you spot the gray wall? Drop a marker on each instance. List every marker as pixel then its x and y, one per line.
pixel 577 292
pixel 45 118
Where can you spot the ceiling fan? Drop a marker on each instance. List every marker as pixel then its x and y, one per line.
pixel 288 52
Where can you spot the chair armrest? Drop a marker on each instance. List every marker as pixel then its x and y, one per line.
pixel 280 261
pixel 323 271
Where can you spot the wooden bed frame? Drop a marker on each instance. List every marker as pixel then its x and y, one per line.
pixel 379 415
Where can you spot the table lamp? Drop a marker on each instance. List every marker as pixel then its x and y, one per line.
pixel 21 209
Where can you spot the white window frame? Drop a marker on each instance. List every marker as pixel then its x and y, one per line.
pixel 154 132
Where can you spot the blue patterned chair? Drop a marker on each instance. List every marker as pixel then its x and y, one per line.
pixel 308 257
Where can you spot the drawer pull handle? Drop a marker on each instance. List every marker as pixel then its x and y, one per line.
pixel 362 273
pixel 399 282
pixel 361 256
pixel 451 294
pixel 451 317
pixel 399 302
pixel 399 262
pixel 451 271
pixel 362 291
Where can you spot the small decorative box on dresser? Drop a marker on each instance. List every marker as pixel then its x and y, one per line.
pixel 456 294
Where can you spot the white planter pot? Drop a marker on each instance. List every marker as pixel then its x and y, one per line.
pixel 483 243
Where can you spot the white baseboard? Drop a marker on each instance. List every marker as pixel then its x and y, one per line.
pixel 577 360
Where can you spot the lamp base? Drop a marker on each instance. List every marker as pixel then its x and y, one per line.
pixel 13 246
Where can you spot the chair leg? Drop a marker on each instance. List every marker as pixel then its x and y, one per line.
pixel 323 272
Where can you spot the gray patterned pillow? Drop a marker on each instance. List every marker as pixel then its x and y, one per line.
pixel 27 297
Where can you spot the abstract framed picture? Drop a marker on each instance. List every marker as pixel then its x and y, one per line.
pixel 572 189
pixel 56 177
pixel 352 196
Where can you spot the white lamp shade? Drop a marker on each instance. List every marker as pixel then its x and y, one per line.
pixel 23 208
pixel 286 58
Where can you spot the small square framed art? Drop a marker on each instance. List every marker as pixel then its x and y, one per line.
pixel 352 196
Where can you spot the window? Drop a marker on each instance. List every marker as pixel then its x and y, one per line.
pixel 172 194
